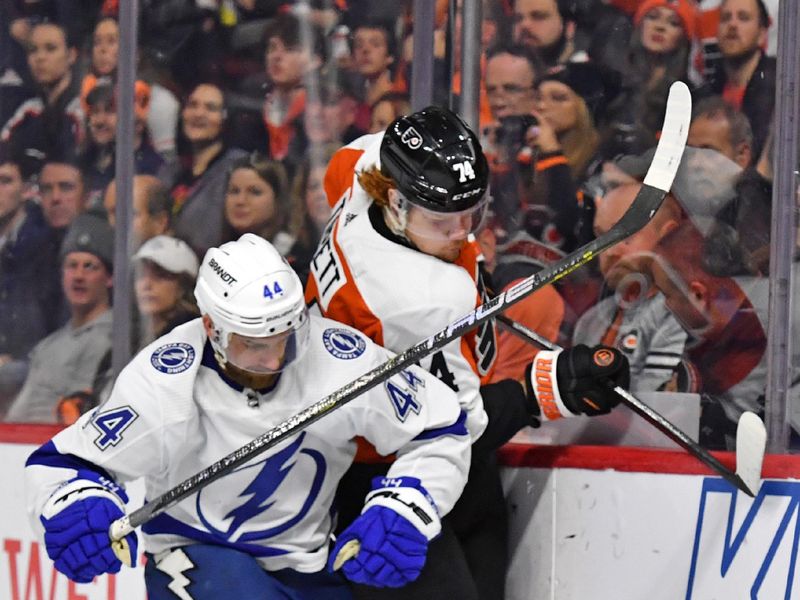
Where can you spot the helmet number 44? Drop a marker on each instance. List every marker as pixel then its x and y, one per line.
pixel 465 171
pixel 274 290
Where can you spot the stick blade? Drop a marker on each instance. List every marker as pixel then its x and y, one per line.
pixel 664 165
pixel 751 443
pixel 674 132
pixel 348 551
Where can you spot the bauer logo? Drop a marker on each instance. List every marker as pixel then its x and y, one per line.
pixel 173 358
pixel 746 548
pixel 343 344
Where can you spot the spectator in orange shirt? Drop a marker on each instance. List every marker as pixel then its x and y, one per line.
pixel 289 60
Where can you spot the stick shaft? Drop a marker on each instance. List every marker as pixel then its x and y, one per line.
pixel 657 183
pixel 643 410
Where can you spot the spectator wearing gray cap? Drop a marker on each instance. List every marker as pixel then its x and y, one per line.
pixel 165 272
pixel 632 315
pixel 69 359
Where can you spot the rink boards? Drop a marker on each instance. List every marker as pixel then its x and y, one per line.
pixel 586 522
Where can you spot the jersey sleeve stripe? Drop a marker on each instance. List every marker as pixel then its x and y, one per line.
pixel 663 361
pixel 457 428
pixel 49 456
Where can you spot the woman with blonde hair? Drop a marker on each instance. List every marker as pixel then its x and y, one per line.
pixel 570 100
pixel 562 145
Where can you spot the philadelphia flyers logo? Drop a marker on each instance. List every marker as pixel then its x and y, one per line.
pixel 411 138
pixel 603 357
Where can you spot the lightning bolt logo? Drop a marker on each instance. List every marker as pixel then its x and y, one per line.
pixel 174 565
pixel 264 485
pixel 261 490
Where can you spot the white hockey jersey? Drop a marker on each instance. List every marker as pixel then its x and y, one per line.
pixel 173 412
pixel 395 294
pixel 647 333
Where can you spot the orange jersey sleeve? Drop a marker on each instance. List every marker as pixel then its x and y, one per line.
pixel 340 172
pixel 542 312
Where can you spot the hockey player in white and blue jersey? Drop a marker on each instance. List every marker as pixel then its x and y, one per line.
pixel 198 393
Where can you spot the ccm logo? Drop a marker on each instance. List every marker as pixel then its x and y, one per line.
pixel 467 194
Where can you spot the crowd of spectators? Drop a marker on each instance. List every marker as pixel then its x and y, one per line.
pixel 239 105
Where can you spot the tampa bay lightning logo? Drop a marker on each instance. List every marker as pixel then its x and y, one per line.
pixel 275 482
pixel 173 358
pixel 343 344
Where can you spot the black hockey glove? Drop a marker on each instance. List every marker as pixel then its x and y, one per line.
pixel 578 380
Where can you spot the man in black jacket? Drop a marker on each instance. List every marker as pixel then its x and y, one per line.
pixel 28 292
pixel 747 77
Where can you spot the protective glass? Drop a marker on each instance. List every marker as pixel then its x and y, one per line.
pixel 444 227
pixel 271 354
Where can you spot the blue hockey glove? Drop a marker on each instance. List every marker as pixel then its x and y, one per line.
pixel 386 546
pixel 76 520
pixel 578 380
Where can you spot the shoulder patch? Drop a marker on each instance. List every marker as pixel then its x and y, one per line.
pixel 343 344
pixel 173 358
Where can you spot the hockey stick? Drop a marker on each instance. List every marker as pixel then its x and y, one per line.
pixel 656 185
pixel 751 435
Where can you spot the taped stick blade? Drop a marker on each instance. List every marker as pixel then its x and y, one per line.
pixel 751 443
pixel 348 551
pixel 674 132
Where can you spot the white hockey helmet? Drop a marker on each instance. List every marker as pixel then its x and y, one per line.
pixel 247 288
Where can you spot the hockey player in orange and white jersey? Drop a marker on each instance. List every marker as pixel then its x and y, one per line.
pixel 398 262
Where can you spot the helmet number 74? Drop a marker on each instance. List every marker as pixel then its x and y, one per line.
pixel 465 171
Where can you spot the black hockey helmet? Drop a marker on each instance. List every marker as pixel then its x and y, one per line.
pixel 436 160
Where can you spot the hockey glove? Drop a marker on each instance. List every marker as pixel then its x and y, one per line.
pixel 578 380
pixel 389 540
pixel 76 520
